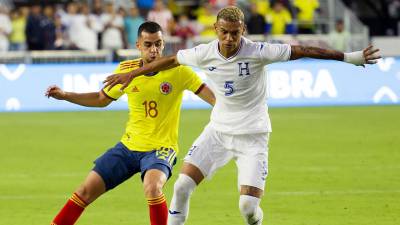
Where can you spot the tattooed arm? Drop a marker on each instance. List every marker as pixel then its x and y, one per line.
pixel 299 51
pixel 359 58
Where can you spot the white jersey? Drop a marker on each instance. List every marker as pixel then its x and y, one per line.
pixel 238 82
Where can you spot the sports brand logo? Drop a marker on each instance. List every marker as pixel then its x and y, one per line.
pixel 173 212
pixel 135 89
pixel 165 88
pixel 212 68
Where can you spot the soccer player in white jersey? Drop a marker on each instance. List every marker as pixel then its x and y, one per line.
pixel 239 127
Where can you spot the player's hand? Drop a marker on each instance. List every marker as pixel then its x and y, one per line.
pixel 371 55
pixel 121 78
pixel 367 56
pixel 55 92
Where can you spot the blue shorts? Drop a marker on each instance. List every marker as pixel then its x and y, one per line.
pixel 119 163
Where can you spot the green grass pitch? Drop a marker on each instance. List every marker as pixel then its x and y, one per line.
pixel 328 166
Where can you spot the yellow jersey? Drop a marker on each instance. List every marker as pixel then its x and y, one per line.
pixel 307 10
pixel 279 20
pixel 154 103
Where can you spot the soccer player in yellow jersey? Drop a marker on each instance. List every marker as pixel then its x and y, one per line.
pixel 149 144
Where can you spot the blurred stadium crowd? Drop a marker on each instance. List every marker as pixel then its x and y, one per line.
pixel 101 24
pixel 112 25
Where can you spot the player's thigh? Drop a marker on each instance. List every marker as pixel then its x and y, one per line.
pixel 117 165
pixel 161 160
pixel 252 162
pixel 207 152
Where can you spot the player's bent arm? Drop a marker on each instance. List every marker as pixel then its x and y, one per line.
pixel 368 56
pixel 207 95
pixel 163 63
pixel 92 99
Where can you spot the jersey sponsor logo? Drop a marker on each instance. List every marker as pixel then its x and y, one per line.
pixel 212 68
pixel 135 89
pixel 244 68
pixel 165 88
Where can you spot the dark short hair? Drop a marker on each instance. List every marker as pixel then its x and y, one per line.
pixel 339 21
pixel 150 27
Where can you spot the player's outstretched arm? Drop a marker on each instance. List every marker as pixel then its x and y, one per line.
pixel 368 56
pixel 160 64
pixel 207 95
pixel 93 99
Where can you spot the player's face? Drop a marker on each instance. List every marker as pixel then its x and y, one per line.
pixel 229 34
pixel 150 46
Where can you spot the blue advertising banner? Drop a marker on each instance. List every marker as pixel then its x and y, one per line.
pixel 295 83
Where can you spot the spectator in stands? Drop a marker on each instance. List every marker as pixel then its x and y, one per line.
pixel 219 4
pixel 132 22
pixel 122 12
pixel 48 28
pixel 206 19
pixel 279 19
pixel 61 41
pixel 113 28
pixel 306 15
pixel 394 9
pixel 144 7
pixel 256 23
pixel 339 39
pixel 34 31
pixel 184 28
pixel 262 6
pixel 17 36
pixel 5 28
pixel 98 26
pixel 161 15
pixel 80 31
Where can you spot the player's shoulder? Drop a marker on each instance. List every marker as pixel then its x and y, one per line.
pixel 130 64
pixel 205 48
pixel 252 48
pixel 180 70
pixel 252 45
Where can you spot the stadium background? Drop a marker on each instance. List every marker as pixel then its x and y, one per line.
pixel 333 163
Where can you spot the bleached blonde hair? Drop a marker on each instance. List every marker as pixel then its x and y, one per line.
pixel 231 14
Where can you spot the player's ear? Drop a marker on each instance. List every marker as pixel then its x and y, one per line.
pixel 137 44
pixel 244 28
pixel 215 26
pixel 162 44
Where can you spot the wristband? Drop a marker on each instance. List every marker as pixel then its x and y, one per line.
pixel 356 58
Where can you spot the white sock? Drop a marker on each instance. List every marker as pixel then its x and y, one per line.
pixel 250 209
pixel 179 207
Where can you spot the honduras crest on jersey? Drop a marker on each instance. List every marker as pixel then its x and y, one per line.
pixel 165 88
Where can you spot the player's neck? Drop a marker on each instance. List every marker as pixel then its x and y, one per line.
pixel 227 53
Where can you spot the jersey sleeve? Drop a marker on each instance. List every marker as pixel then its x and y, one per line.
pixel 188 57
pixel 270 53
pixel 115 92
pixel 191 81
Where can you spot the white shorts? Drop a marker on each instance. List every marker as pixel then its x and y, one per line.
pixel 213 149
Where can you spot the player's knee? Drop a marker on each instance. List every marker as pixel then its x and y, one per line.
pixel 153 189
pixel 184 185
pixel 84 193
